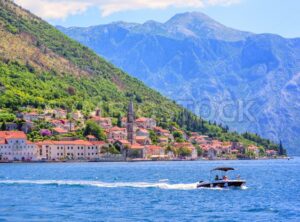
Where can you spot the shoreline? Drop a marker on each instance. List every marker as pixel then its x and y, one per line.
pixel 140 160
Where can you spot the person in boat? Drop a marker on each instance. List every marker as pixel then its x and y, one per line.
pixel 217 177
pixel 225 178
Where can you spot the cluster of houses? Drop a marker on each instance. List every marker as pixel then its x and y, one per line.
pixel 132 140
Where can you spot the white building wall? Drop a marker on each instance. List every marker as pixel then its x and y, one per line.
pixel 18 149
pixel 69 152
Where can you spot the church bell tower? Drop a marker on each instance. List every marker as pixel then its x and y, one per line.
pixel 130 123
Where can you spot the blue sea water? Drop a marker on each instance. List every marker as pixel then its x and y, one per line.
pixel 148 191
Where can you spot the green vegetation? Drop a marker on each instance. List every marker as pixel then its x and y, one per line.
pixel 110 149
pixel 94 129
pixel 178 136
pixel 45 68
pixel 183 152
pixel 7 117
pixel 153 137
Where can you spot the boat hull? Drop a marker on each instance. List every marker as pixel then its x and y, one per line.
pixel 222 184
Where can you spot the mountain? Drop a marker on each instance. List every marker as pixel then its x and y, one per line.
pixel 41 67
pixel 197 61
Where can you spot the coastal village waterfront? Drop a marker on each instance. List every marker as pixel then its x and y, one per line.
pixel 130 139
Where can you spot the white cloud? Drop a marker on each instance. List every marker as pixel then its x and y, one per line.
pixel 57 9
pixel 60 9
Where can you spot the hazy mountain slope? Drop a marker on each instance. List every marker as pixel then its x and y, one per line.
pixel 192 57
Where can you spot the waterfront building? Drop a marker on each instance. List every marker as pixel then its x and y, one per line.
pixel 271 153
pixel 254 150
pixel 154 151
pixel 194 153
pixel 69 150
pixel 14 146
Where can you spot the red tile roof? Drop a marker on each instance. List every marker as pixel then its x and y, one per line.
pixel 142 119
pixel 98 142
pixel 136 146
pixel 60 130
pixel 143 130
pixel 123 141
pixel 12 135
pixel 117 129
pixel 90 137
pixel 74 142
pixel 161 130
pixel 141 138
pixel 99 118
pixel 154 147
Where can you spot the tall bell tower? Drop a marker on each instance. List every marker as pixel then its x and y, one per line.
pixel 130 123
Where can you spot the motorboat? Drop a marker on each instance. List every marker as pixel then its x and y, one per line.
pixel 221 180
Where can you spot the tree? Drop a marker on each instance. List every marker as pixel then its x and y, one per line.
pixel 184 152
pixel 153 137
pixel 119 122
pixel 178 136
pixel 281 150
pixel 199 150
pixel 92 128
pixel 3 126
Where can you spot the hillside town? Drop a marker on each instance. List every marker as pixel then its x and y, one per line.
pixel 130 139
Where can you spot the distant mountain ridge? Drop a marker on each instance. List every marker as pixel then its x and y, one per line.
pixel 192 57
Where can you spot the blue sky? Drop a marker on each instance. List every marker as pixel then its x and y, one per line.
pixel 259 16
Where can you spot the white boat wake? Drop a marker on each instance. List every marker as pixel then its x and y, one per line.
pixel 160 185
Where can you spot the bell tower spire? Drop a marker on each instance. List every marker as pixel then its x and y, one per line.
pixel 130 123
